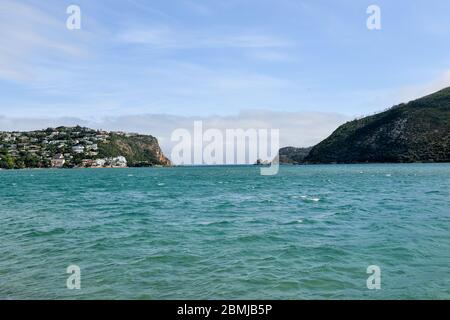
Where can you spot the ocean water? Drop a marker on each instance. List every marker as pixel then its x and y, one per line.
pixel 309 232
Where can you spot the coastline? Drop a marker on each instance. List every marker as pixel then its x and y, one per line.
pixel 232 165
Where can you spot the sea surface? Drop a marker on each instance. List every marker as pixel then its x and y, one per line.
pixel 309 232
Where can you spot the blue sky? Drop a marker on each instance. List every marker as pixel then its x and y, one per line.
pixel 218 57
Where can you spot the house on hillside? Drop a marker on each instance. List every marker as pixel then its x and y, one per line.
pixel 119 161
pixel 78 149
pixel 58 161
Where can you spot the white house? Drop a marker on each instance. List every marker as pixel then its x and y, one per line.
pixel 58 161
pixel 78 149
pixel 100 162
pixel 119 162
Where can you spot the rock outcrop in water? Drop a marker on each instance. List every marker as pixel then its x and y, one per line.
pixel 68 147
pixel 418 131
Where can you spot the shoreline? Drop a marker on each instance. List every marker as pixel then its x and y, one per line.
pixel 232 165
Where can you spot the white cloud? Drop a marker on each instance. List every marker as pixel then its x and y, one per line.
pixel 408 93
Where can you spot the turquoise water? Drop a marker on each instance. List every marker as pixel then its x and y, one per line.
pixel 226 232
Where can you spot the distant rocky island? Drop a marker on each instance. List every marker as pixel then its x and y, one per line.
pixel 78 147
pixel 418 131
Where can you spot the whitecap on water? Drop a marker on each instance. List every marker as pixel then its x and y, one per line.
pixel 306 198
pixel 161 184
pixel 293 222
pixel 315 199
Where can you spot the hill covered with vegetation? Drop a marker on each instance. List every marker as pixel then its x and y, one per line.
pixel 418 131
pixel 69 147
pixel 293 155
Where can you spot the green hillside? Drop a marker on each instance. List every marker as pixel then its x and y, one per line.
pixel 418 131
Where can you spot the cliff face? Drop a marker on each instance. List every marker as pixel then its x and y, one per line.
pixel 292 155
pixel 79 147
pixel 139 150
pixel 413 132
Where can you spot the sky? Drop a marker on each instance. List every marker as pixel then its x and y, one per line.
pixel 287 63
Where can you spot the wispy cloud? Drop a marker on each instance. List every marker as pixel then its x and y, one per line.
pixel 408 93
pixel 213 57
pixel 28 35
pixel 165 37
pixel 270 56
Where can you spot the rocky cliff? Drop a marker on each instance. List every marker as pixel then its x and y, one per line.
pixel 139 150
pixel 292 155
